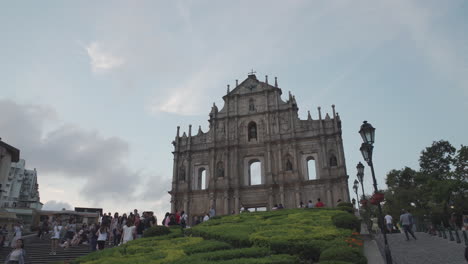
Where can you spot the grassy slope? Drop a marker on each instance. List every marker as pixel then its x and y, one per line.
pixel 283 236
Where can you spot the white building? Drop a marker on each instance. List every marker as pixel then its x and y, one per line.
pixel 8 154
pixel 20 190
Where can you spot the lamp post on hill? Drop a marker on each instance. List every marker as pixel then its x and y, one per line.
pixel 360 176
pixel 355 188
pixel 367 133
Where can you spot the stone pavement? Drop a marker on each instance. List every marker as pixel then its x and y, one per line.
pixel 426 250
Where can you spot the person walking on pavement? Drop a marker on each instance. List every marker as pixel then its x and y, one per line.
pixel 389 223
pixel 406 220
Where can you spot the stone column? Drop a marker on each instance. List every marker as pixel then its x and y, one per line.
pixel 226 203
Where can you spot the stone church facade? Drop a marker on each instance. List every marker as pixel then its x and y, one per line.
pixel 297 160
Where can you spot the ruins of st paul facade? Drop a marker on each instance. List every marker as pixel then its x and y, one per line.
pixel 257 134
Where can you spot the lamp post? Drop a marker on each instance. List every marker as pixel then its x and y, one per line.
pixel 355 188
pixel 360 176
pixel 367 133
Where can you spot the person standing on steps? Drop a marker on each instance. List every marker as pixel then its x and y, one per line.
pixel 129 232
pixel 56 230
pixel 406 220
pixel 71 230
pixel 102 235
pixel 18 255
pixel 17 234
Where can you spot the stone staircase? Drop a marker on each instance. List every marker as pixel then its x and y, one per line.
pixel 38 250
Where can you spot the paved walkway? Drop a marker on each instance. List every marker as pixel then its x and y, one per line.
pixel 426 250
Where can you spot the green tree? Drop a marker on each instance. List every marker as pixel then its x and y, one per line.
pixel 437 190
pixel 401 193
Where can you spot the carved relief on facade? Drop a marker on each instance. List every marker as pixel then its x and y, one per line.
pixel 220 130
pixel 284 123
pixel 220 169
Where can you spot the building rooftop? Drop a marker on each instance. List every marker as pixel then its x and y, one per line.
pixel 15 153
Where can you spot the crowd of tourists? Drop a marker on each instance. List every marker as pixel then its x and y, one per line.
pixel 9 236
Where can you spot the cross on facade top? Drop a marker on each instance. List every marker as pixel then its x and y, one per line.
pixel 252 72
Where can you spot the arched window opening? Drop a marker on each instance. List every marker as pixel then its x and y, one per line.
pixel 220 169
pixel 311 171
pixel 288 164
pixel 251 104
pixel 255 173
pixel 252 131
pixel 333 161
pixel 202 179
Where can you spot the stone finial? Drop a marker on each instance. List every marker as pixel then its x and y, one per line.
pixel 199 130
pixel 237 82
pixel 178 130
pixel 228 89
pixel 333 107
pixel 266 79
pixel 309 117
pixel 320 112
pixel 327 117
pixel 190 130
pixel 276 82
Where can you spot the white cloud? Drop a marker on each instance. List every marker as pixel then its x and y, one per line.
pixel 57 205
pixel 102 60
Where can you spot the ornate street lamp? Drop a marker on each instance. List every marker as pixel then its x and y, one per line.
pixel 360 175
pixel 367 132
pixel 355 188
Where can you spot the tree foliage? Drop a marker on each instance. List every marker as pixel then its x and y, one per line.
pixel 437 190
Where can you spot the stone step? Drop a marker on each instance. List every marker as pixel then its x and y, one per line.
pixel 38 250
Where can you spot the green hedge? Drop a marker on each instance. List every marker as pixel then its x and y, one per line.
pixel 156 231
pixel 335 262
pixel 283 236
pixel 346 208
pixel 206 246
pixel 345 204
pixel 347 221
pixel 348 254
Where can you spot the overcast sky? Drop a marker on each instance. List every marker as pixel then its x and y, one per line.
pixel 92 92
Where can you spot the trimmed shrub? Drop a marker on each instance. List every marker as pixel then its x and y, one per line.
pixel 347 221
pixel 346 254
pixel 206 246
pixel 346 209
pixel 307 250
pixel 335 262
pixel 220 255
pixel 156 231
pixel 273 259
pixel 345 204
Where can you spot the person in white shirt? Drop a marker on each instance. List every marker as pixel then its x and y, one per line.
pixel 129 232
pixel 17 234
pixel 206 218
pixel 102 234
pixel 310 204
pixel 389 223
pixel 18 254
pixel 56 230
